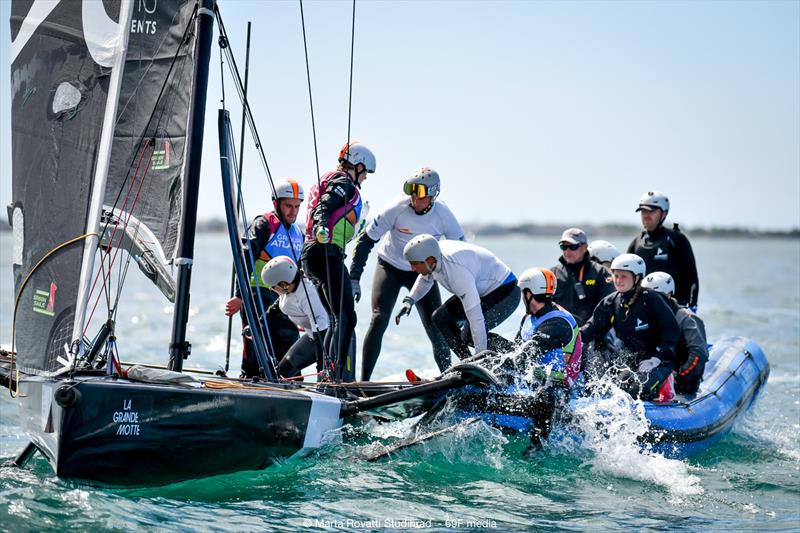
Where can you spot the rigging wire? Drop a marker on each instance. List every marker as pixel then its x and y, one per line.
pixel 340 357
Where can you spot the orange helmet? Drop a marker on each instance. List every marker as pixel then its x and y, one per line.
pixel 540 281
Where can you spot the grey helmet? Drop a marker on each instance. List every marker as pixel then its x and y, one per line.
pixel 288 188
pixel 653 200
pixel 630 262
pixel 423 176
pixel 278 269
pixel 540 281
pixel 422 247
pixel 603 251
pixel 355 153
pixel 659 281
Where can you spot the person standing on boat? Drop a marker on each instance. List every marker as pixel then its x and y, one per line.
pixel 298 300
pixel 485 290
pixel 691 353
pixel 582 283
pixel 414 212
pixel 334 210
pixel 666 250
pixel 272 234
pixel 645 325
pixel 603 252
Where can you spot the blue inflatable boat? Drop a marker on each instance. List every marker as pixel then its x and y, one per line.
pixel 736 371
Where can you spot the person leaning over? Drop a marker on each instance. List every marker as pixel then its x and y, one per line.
pixel 273 234
pixel 416 211
pixel 666 250
pixel 298 300
pixel 582 283
pixel 691 353
pixel 645 325
pixel 485 290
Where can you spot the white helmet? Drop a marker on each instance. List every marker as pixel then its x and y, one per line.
pixel 654 200
pixel 603 251
pixel 355 153
pixel 630 262
pixel 288 188
pixel 540 281
pixel 278 269
pixel 422 182
pixel 422 247
pixel 659 281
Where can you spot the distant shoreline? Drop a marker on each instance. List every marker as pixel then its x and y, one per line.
pixel 595 231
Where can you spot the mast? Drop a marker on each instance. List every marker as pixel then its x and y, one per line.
pixel 101 173
pixel 179 349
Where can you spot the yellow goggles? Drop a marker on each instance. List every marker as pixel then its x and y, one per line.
pixel 420 189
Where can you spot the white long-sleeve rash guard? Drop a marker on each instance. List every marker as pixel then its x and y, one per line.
pixel 469 272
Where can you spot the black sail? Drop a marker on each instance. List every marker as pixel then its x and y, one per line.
pixel 60 75
pixel 146 172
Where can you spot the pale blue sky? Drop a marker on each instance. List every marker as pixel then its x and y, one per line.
pixel 548 112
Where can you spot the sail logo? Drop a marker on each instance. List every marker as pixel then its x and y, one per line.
pixel 641 326
pixel 660 255
pixel 142 25
pixel 160 158
pixel 44 302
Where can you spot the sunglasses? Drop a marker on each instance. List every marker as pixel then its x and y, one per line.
pixel 420 189
pixel 572 247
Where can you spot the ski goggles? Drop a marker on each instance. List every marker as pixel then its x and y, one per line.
pixel 420 189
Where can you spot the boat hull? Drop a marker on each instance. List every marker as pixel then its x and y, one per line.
pixel 123 433
pixel 735 374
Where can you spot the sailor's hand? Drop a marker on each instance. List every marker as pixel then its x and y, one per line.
pixel 408 303
pixel 233 306
pixel 356 289
pixel 322 234
pixel 648 365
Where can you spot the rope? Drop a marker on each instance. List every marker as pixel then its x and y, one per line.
pixel 12 390
pixel 340 357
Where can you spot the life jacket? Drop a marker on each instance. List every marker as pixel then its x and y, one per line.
pixel 343 221
pixel 566 360
pixel 277 245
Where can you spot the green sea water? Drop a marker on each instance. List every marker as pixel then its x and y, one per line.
pixel 472 479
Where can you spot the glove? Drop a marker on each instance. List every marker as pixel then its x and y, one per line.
pixel 408 302
pixel 323 235
pixel 648 365
pixel 356 289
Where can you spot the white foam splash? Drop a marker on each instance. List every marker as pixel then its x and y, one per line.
pixel 611 423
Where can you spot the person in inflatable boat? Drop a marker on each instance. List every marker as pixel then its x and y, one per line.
pixel 691 354
pixel 647 328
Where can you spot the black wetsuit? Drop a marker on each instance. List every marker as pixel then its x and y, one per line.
pixel 581 286
pixel 668 250
pixel 333 283
pixel 282 333
pixel 647 327
pixel 691 353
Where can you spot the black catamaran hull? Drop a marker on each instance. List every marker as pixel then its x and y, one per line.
pixel 124 433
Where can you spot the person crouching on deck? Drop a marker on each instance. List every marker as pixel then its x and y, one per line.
pixel 485 289
pixel 334 210
pixel 298 299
